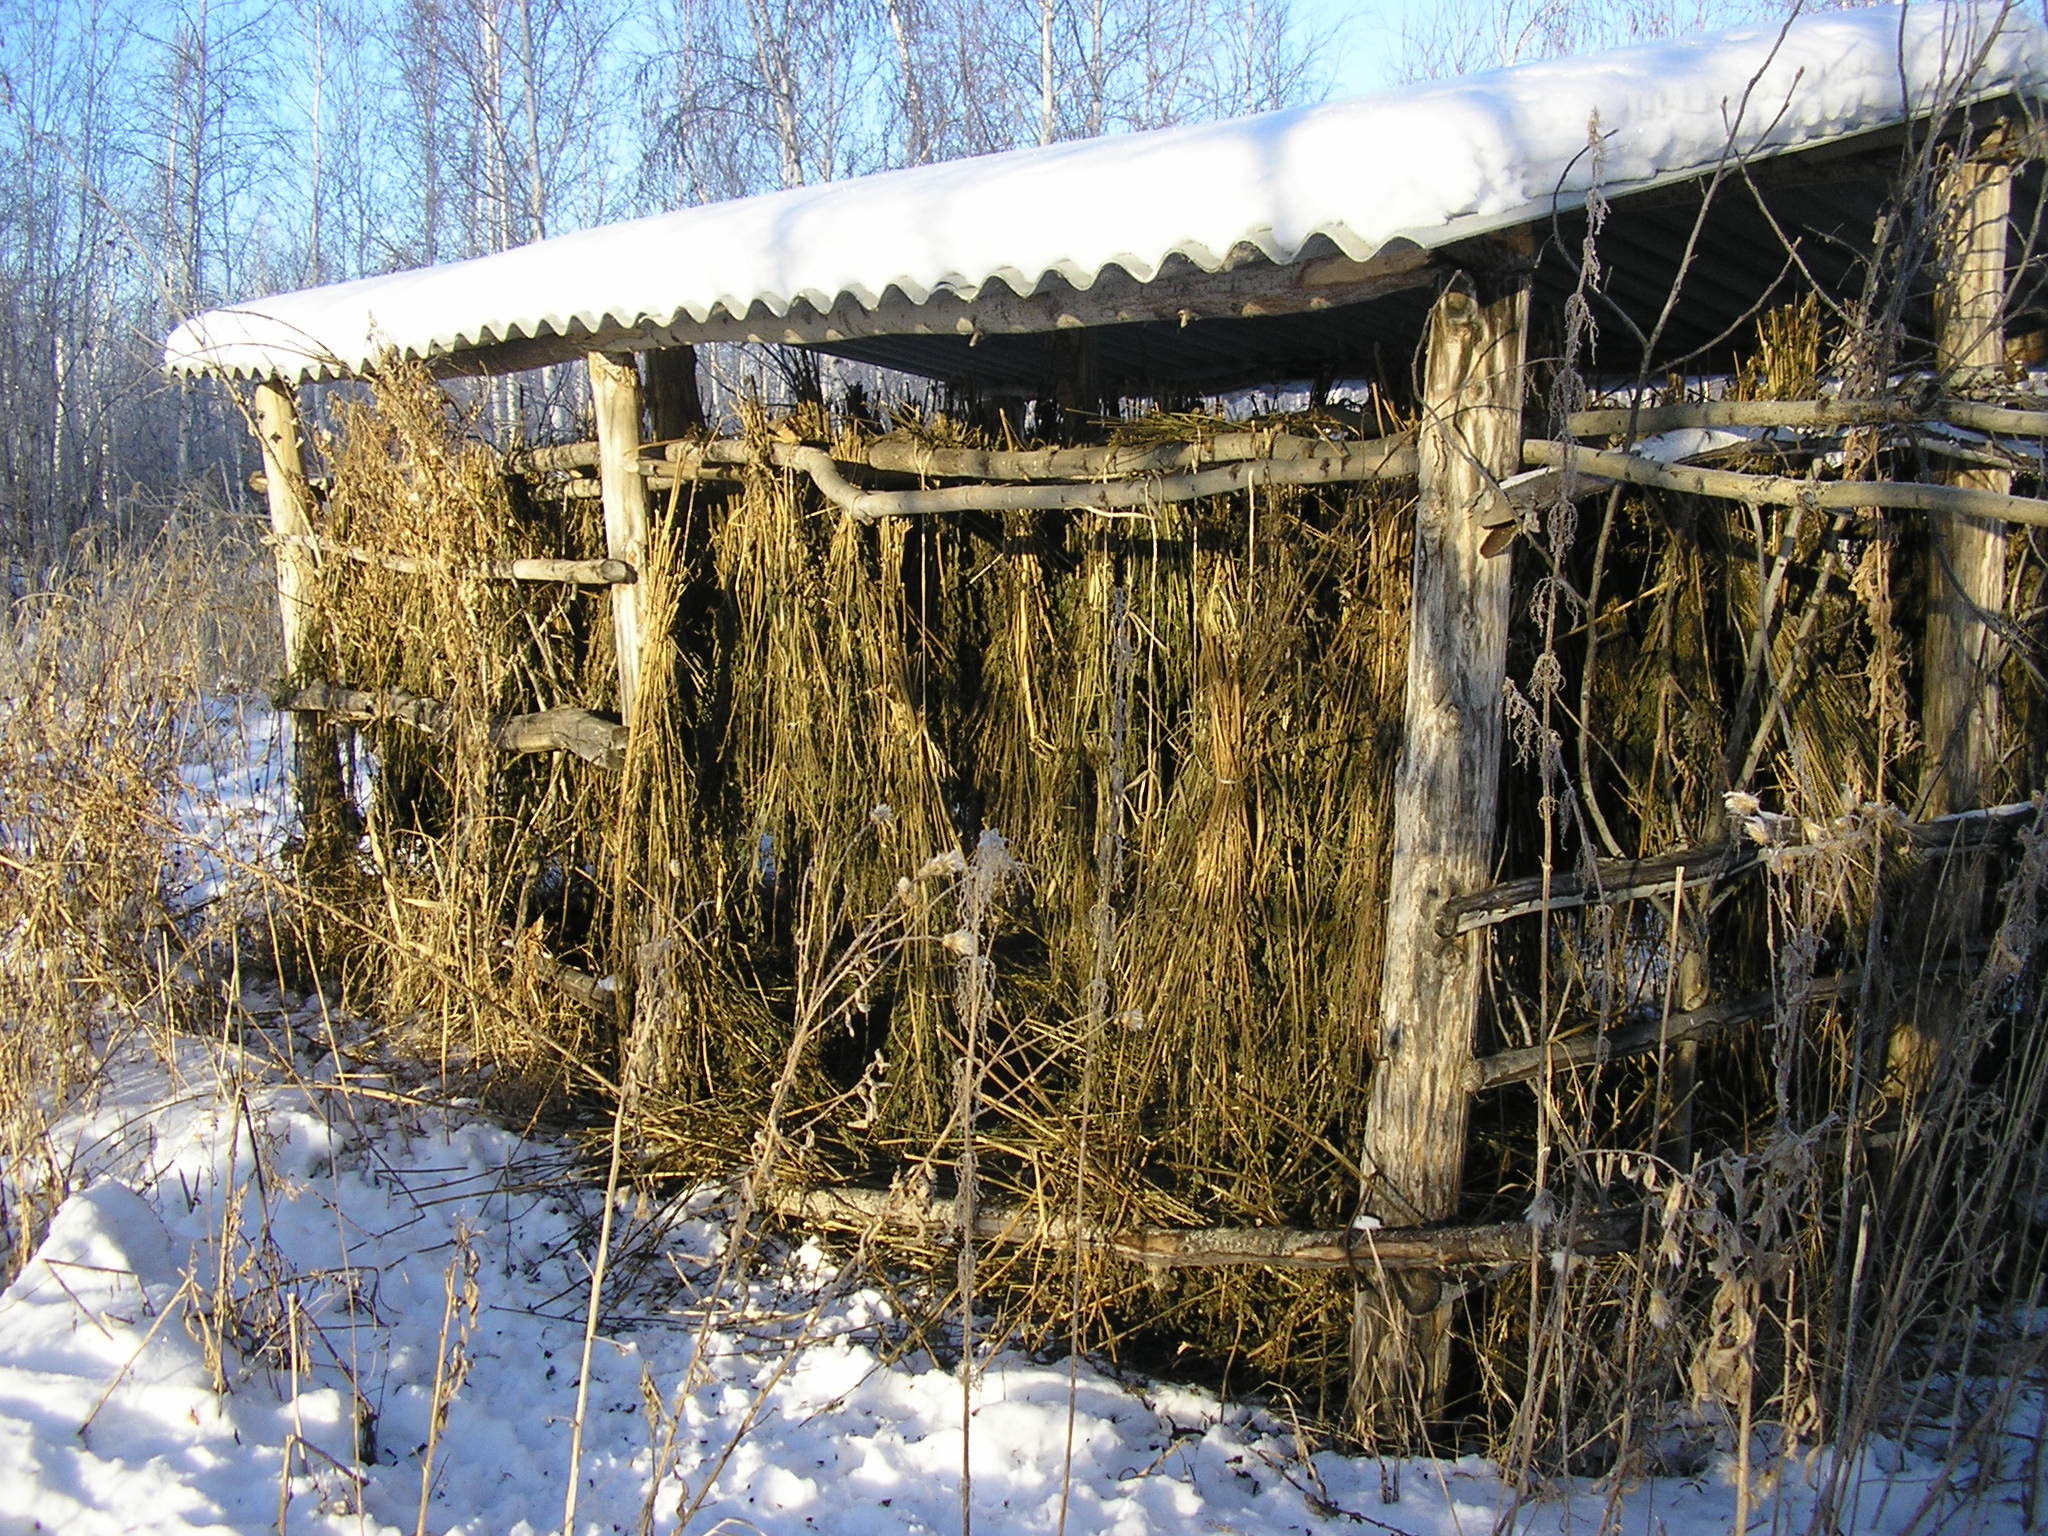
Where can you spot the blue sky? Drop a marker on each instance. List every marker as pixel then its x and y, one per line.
pixel 1365 38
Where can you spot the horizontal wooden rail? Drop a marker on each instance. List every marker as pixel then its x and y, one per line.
pixel 1339 463
pixel 599 993
pixel 578 573
pixel 1619 880
pixel 1785 490
pixel 319 485
pixel 1806 416
pixel 1356 1250
pixel 559 456
pixel 590 737
pixel 1116 477
pixel 911 456
pixel 1613 881
pixel 1314 460
pixel 1972 829
pixel 1525 1063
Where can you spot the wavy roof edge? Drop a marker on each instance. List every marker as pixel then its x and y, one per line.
pixel 926 249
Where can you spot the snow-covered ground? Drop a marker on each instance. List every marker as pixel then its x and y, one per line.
pixel 264 1291
pixel 236 1214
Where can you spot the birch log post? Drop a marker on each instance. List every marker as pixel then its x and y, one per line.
pixel 615 403
pixel 1960 704
pixel 315 750
pixel 1966 581
pixel 1445 796
pixel 290 499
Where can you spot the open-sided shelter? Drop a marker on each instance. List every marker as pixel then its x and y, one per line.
pixel 1125 686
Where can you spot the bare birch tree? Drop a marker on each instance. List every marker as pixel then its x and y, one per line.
pixel 173 154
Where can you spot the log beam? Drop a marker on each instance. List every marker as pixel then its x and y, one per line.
pixel 1807 416
pixel 1445 804
pixel 588 736
pixel 1613 881
pixel 1949 501
pixel 912 456
pixel 1338 463
pixel 600 994
pixel 1390 457
pixel 1617 880
pixel 575 573
pixel 1362 1251
pixel 556 457
pixel 1526 1063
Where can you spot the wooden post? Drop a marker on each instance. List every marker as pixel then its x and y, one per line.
pixel 1960 703
pixel 1445 798
pixel 291 510
pixel 328 826
pixel 1076 384
pixel 675 406
pixel 1960 706
pixel 615 402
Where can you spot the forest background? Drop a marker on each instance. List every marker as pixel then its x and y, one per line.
pixel 164 156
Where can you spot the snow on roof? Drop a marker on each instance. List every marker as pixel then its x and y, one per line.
pixel 1424 165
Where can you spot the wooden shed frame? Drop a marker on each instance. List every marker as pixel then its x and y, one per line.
pixel 1483 476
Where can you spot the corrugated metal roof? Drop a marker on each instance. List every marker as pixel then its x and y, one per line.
pixel 1295 210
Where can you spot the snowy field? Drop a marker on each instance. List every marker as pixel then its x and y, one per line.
pixel 274 1305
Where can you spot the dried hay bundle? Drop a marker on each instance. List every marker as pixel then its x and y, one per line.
pixel 1184 725
pixel 481 872
pixel 830 714
pixel 882 694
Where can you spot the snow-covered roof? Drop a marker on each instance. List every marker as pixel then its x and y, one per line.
pixel 1339 195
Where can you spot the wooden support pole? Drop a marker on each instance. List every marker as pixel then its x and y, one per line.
pixel 1960 653
pixel 290 498
pixel 1445 804
pixel 1960 705
pixel 1077 381
pixel 615 403
pixel 674 404
pixel 328 826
